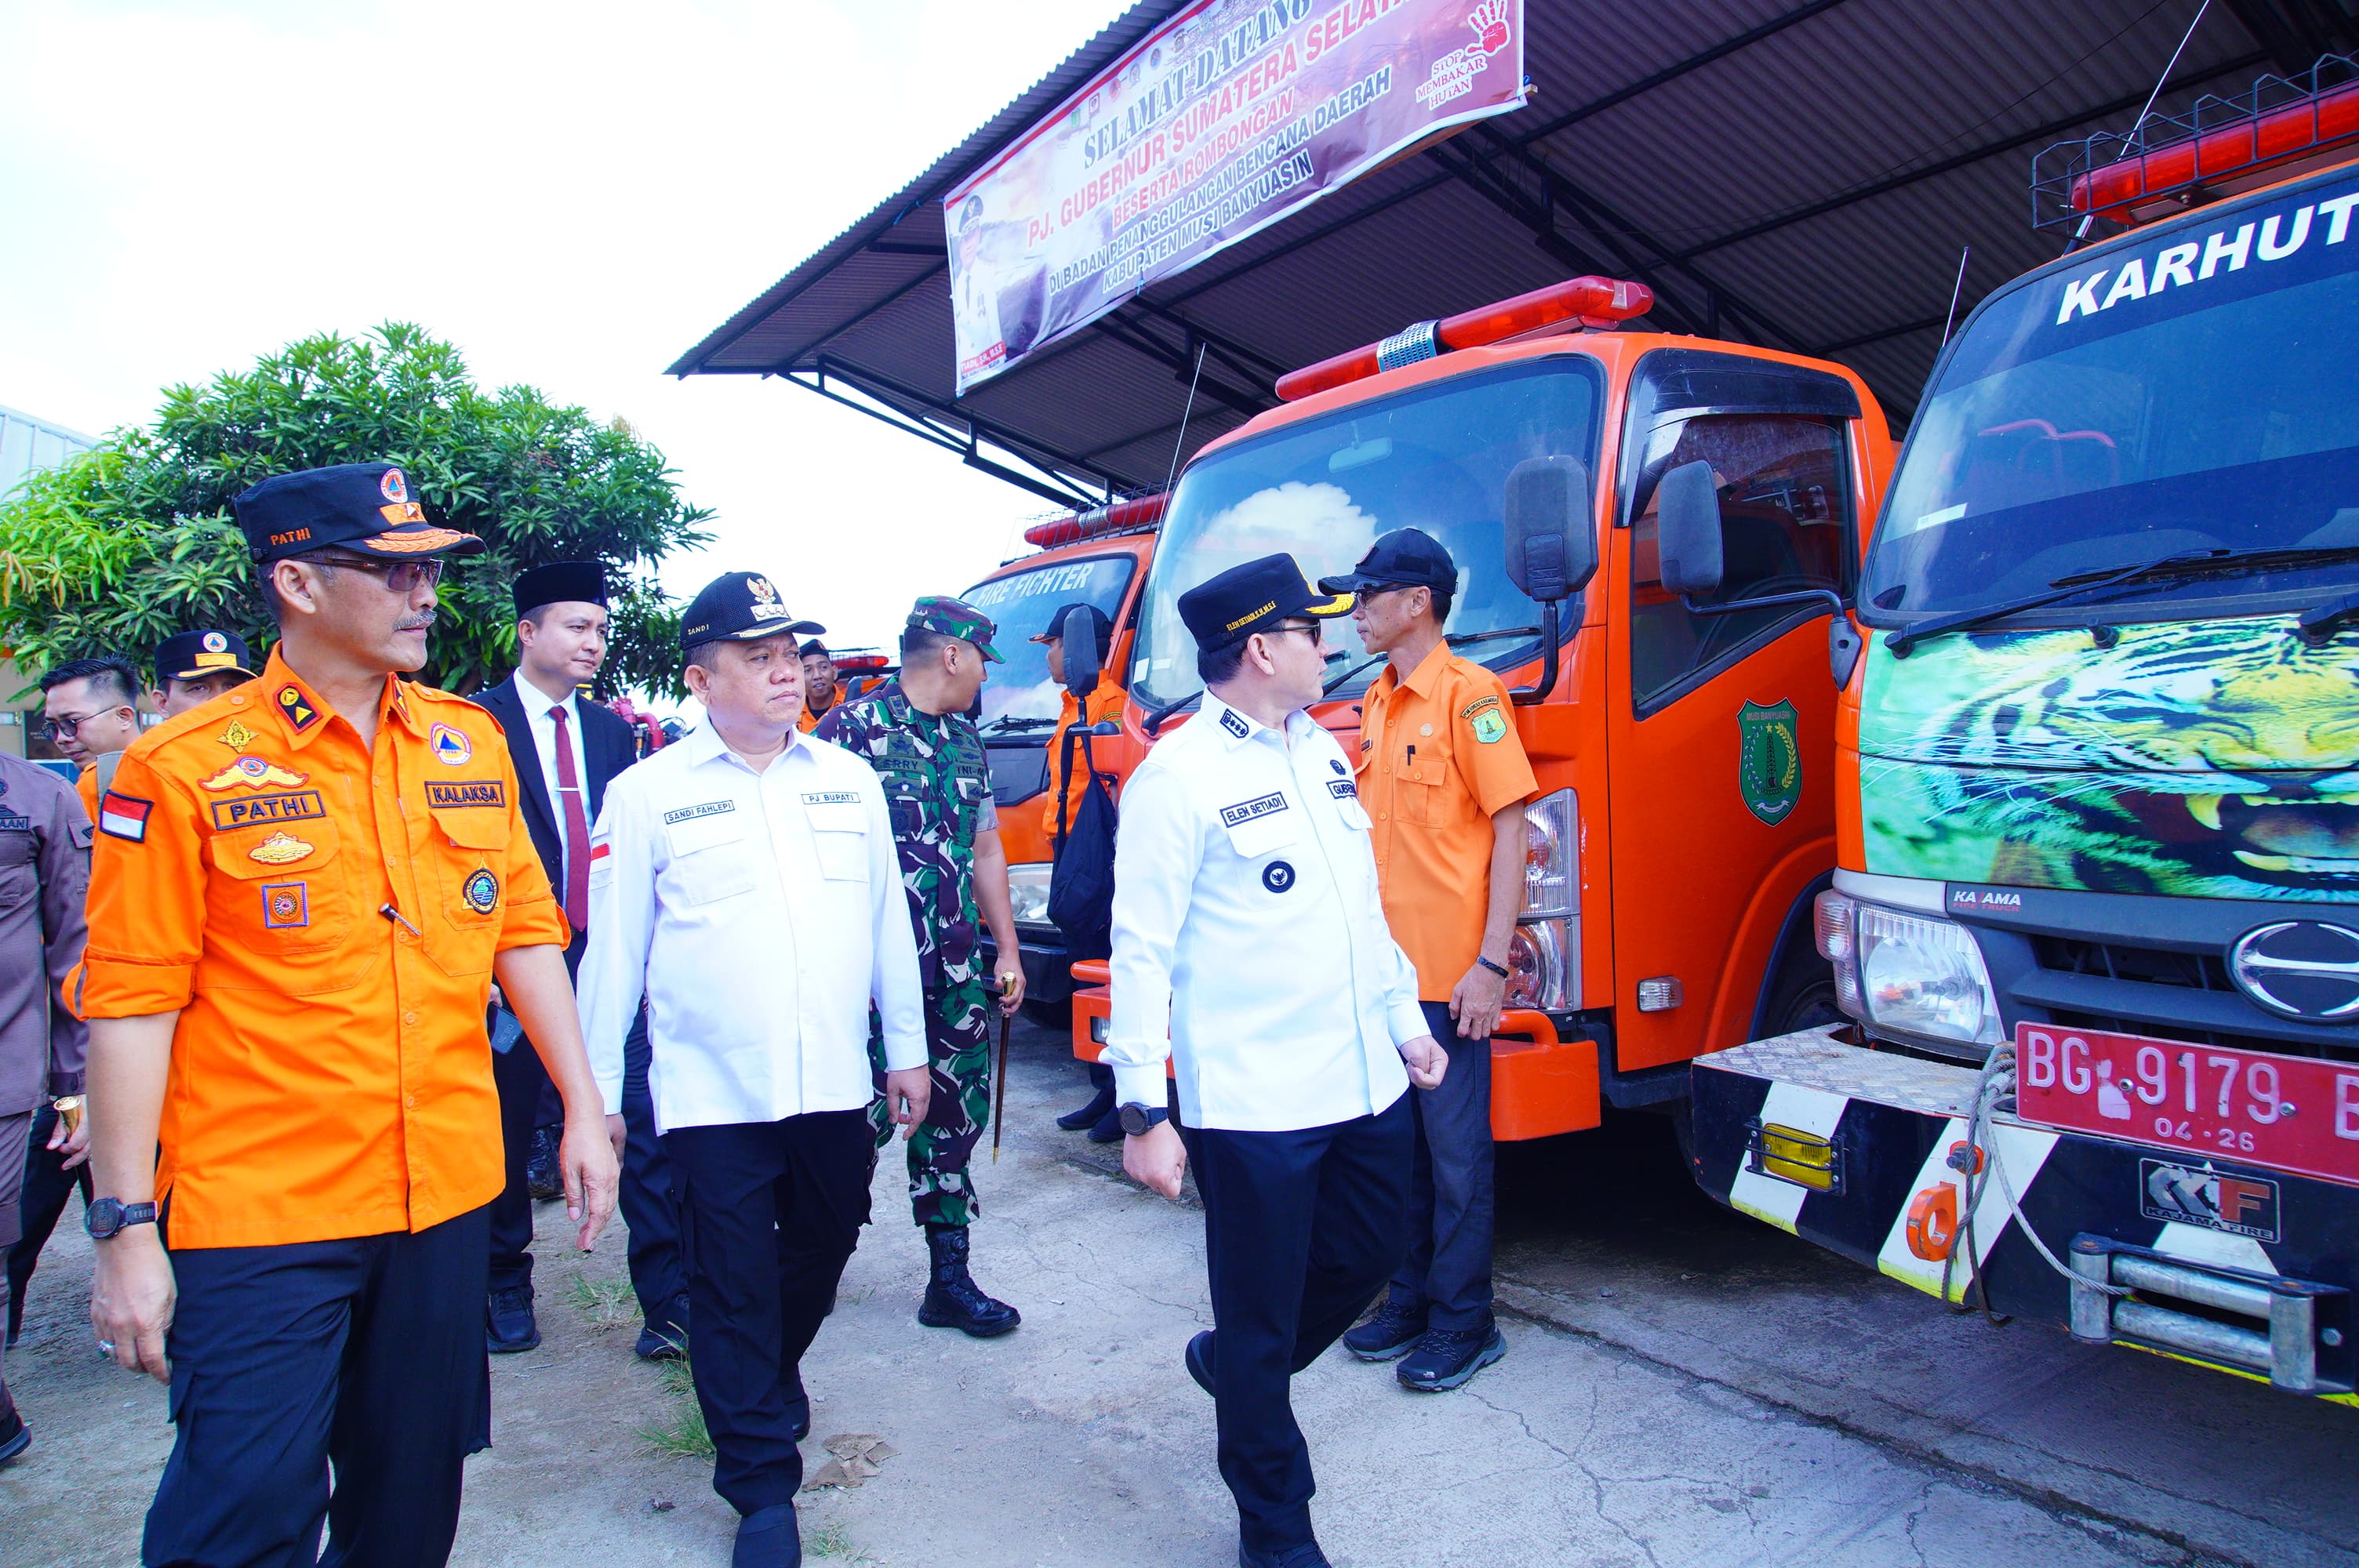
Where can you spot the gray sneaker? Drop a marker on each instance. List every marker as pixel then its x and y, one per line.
pixel 1446 1358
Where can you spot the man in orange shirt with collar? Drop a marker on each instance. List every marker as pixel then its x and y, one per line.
pixel 302 894
pixel 1445 779
pixel 1064 800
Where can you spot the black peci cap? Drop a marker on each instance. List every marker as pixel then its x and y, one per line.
pixel 192 655
pixel 560 582
pixel 1253 598
pixel 1405 557
pixel 366 507
pixel 1097 619
pixel 739 607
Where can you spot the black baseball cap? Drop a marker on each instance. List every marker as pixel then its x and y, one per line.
pixel 363 507
pixel 1098 622
pixel 815 646
pixel 192 655
pixel 739 607
pixel 560 582
pixel 1253 598
pixel 1405 557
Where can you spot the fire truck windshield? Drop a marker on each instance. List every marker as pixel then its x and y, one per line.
pixel 1436 457
pixel 1021 603
pixel 2188 389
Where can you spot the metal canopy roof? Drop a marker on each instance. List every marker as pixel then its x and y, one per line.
pixel 1798 175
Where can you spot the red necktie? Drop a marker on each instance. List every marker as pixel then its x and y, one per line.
pixel 576 828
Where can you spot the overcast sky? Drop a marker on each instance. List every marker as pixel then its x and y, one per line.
pixel 572 193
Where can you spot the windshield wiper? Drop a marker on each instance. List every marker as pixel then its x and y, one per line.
pixel 1372 660
pixel 2064 588
pixel 1461 639
pixel 2184 566
pixel 1008 721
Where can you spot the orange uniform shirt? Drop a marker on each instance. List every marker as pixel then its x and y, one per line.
pixel 1105 702
pixel 86 786
pixel 810 721
pixel 330 1074
pixel 1439 754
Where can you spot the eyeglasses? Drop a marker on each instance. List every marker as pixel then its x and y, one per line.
pixel 63 727
pixel 399 576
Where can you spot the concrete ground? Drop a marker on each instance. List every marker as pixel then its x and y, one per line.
pixel 1683 1386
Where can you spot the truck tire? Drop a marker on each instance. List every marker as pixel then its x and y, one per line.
pixel 1802 996
pixel 1050 1014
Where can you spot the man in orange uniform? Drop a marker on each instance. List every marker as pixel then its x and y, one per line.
pixel 302 892
pixel 1445 779
pixel 1105 702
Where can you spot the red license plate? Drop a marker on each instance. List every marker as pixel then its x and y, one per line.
pixel 2290 1113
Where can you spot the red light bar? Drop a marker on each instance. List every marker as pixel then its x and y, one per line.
pixel 1134 515
pixel 2257 144
pixel 1603 301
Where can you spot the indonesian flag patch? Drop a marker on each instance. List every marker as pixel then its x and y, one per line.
pixel 124 817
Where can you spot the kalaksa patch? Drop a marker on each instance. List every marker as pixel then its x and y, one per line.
pixel 466 792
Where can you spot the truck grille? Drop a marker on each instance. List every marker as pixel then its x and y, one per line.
pixel 2153 982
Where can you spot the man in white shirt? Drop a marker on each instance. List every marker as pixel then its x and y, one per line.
pixel 744 880
pixel 1246 917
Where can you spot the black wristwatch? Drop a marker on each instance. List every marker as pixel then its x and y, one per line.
pixel 1498 969
pixel 105 1217
pixel 1137 1121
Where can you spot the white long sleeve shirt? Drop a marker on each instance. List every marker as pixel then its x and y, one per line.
pixel 760 914
pixel 1246 913
pixel 537 704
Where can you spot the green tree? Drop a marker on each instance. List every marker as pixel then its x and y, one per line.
pixel 134 540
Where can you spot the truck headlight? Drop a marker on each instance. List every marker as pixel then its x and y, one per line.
pixel 1027 892
pixel 1921 975
pixel 1544 952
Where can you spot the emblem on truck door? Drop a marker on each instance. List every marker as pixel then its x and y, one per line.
pixel 1769 761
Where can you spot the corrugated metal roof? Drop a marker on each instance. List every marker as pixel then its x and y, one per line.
pixel 1800 173
pixel 28 444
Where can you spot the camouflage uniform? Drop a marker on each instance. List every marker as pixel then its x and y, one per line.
pixel 938 787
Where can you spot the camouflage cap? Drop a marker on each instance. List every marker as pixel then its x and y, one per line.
pixel 956 618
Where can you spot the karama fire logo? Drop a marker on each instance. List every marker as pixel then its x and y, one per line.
pixel 1489 21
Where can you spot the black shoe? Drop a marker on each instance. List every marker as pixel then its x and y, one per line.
pixel 1109 1128
pixel 541 1177
pixel 508 1325
pixel 952 1298
pixel 1446 1358
pixel 666 1340
pixel 1198 1356
pixel 768 1538
pixel 1091 1114
pixel 14 1435
pixel 1389 1336
pixel 1306 1555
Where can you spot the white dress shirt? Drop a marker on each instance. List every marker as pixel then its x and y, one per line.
pixel 760 914
pixel 537 704
pixel 1246 912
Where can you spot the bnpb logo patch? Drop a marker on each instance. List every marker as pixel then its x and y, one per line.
pixel 451 747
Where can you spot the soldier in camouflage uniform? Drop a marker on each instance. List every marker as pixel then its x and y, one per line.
pixel 915 732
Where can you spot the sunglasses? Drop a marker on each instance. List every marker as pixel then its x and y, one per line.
pixel 399 576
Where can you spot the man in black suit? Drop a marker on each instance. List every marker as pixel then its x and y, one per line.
pixel 566 752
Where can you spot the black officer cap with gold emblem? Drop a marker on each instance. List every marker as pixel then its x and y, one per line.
pixel 363 507
pixel 1253 598
pixel 739 607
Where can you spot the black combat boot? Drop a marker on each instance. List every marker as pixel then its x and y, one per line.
pixel 952 1298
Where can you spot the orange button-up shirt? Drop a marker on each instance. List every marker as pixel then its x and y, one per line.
pixel 1105 702
pixel 1439 756
pixel 329 1073
pixel 86 786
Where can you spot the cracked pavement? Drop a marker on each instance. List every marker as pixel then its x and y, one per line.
pixel 1682 1387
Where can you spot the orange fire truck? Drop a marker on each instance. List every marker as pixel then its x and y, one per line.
pixel 1684 747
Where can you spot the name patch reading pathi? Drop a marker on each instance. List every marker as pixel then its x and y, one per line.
pixel 252 811
pixel 1245 811
pixel 466 792
pixel 690 813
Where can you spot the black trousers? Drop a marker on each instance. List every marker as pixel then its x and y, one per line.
pixel 521 1080
pixel 47 1186
pixel 1300 1230
pixel 366 1355
pixel 769 1213
pixel 1451 1194
pixel 649 1207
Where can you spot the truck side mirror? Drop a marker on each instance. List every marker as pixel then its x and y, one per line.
pixel 1083 657
pixel 1687 530
pixel 1551 532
